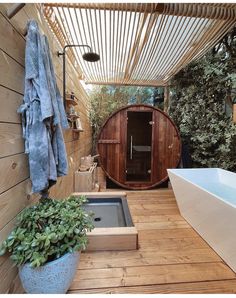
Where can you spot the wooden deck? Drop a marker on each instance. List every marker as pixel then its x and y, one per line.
pixel 172 257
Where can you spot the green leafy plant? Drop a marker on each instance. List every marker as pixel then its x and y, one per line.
pixel 201 106
pixel 48 230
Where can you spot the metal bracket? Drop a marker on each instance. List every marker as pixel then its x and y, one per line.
pixel 60 53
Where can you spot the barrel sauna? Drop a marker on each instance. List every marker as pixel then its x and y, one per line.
pixel 136 145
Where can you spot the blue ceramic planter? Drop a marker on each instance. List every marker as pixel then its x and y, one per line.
pixel 52 278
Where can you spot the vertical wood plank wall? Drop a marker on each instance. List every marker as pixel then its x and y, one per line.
pixel 14 182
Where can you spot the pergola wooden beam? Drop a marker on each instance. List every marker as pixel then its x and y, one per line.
pixel 197 10
pixel 147 7
pixel 132 83
pixel 140 44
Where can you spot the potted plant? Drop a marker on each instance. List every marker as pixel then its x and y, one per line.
pixel 46 243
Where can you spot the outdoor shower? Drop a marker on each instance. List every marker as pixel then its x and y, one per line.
pixel 89 57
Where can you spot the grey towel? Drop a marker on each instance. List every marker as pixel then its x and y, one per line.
pixel 43 114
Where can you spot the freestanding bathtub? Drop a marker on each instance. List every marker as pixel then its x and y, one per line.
pixel 207 200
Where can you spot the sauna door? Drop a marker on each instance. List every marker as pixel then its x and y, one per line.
pixel 139 146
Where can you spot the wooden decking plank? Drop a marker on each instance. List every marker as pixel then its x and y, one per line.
pixel 172 243
pixel 152 207
pixel 167 234
pixel 143 212
pixel 209 287
pixel 139 258
pixel 157 218
pixel 159 200
pixel 154 192
pixel 177 273
pixel 149 275
pixel 172 257
pixel 162 225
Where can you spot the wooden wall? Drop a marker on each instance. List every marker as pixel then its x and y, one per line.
pixel 14 182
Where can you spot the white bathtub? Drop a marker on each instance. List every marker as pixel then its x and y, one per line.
pixel 207 200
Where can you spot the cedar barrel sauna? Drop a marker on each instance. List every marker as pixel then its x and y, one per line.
pixel 137 144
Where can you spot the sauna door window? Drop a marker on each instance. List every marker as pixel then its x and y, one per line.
pixel 139 146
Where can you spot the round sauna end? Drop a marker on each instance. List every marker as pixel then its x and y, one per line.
pixel 136 145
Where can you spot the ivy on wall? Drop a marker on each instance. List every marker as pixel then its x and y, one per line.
pixel 201 106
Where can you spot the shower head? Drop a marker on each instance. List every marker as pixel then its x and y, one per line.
pixel 91 57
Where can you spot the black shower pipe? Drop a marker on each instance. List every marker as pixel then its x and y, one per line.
pixel 64 65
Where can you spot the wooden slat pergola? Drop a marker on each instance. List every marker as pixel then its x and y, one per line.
pixel 141 44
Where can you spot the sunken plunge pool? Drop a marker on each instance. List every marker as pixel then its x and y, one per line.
pixel 109 212
pixel 114 228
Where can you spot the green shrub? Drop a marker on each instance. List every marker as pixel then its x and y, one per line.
pixel 48 230
pixel 201 106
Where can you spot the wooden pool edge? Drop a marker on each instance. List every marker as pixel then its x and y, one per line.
pixel 114 238
pixel 104 194
pixel 118 238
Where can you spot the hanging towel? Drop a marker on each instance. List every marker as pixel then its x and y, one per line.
pixel 43 114
pixel 59 119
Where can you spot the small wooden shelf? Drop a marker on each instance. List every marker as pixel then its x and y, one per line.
pixel 71 101
pixel 72 117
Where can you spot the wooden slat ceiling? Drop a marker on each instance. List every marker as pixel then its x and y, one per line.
pixel 139 43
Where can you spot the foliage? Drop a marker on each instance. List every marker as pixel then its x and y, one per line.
pixel 201 98
pixel 107 99
pixel 158 98
pixel 48 230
